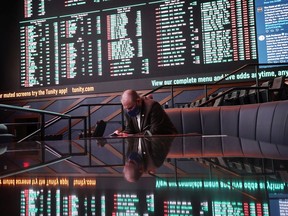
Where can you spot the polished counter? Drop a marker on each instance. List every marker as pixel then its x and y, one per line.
pixel 188 174
pixel 190 155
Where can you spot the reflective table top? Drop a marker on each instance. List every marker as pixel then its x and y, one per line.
pixel 189 155
pixel 180 175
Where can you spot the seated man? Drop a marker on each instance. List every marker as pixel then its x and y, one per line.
pixel 144 115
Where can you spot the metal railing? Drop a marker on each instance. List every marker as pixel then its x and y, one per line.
pixel 99 104
pixel 59 116
pixel 205 86
pixel 42 114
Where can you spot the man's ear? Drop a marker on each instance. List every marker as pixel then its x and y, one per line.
pixel 141 169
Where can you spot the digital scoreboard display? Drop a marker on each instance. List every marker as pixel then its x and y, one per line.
pixel 95 41
pixel 278 204
pixel 83 196
pixel 60 202
pixel 146 44
pixel 239 208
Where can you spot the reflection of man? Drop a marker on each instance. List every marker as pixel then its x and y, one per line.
pixel 145 156
pixel 144 115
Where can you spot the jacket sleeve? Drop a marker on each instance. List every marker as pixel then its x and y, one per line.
pixel 159 121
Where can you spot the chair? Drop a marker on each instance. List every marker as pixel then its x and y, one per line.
pixel 196 103
pixel 252 95
pixel 264 93
pixel 99 129
pixel 263 97
pixel 210 99
pixel 226 99
pixel 233 99
pixel 278 89
pixel 219 100
pixel 5 138
pixel 202 100
pixel 243 97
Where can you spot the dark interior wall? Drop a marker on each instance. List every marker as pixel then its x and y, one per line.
pixel 9 37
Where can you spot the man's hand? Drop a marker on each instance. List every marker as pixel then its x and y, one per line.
pixel 119 133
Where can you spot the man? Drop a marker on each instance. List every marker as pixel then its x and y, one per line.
pixel 144 115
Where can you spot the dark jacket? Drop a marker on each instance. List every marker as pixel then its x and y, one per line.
pixel 153 150
pixel 152 118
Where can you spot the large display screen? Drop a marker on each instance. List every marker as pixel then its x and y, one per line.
pixel 278 204
pixel 59 202
pixel 81 46
pixel 91 196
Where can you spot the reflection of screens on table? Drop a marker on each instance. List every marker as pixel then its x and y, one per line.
pixel 124 202
pixel 106 196
pixel 278 204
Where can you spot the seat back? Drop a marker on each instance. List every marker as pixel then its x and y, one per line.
pixel 264 92
pixel 243 97
pixel 278 83
pixel 265 122
pixel 277 90
pixel 5 136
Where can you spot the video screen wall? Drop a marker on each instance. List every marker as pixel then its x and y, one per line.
pixel 278 203
pixel 88 196
pixel 129 203
pixel 85 46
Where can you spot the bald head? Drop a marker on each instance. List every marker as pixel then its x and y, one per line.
pixel 129 98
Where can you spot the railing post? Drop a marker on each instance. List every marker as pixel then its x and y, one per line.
pixel 257 84
pixel 122 117
pixel 206 92
pixel 85 127
pixel 176 172
pixel 69 129
pixel 172 95
pixel 89 122
pixel 42 126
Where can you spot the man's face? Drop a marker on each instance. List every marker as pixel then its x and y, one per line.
pixel 133 109
pixel 129 105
